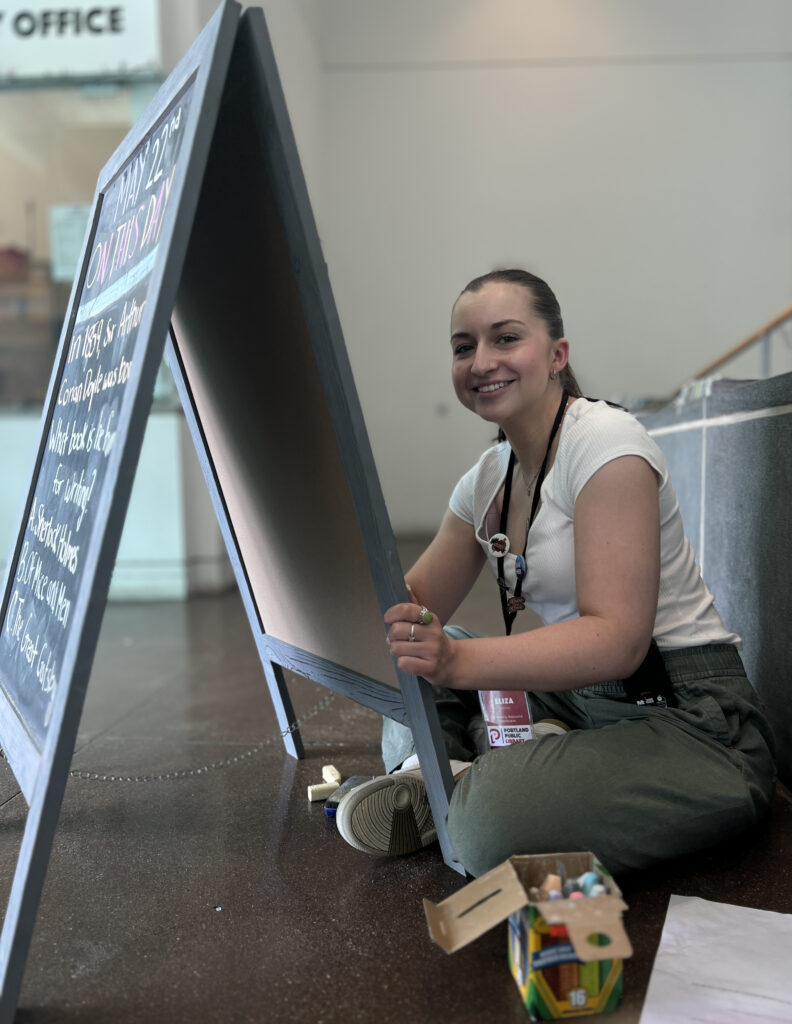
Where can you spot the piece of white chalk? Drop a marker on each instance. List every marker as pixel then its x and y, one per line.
pixel 321 791
pixel 331 774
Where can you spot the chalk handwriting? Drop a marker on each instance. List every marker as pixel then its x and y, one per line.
pixel 131 315
pixel 85 413
pixel 133 175
pixel 46 589
pixel 31 648
pixel 92 383
pixel 55 536
pixel 131 238
pixel 77 491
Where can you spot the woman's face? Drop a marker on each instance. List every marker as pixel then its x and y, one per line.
pixel 502 354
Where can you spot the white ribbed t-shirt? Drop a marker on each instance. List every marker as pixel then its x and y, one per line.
pixel 592 434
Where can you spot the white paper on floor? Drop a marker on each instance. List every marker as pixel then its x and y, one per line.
pixel 721 964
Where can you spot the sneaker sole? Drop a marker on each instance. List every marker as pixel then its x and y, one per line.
pixel 389 815
pixel 550 727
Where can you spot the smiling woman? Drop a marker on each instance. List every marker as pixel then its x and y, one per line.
pixel 658 745
pixel 539 314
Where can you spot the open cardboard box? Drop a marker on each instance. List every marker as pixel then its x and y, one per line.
pixel 565 954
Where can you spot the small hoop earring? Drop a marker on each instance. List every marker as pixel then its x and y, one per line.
pixel 553 374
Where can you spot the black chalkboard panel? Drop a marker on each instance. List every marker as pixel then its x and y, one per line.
pixel 99 399
pixel 92 430
pixel 95 386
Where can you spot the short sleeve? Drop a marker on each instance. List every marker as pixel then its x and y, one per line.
pixel 461 500
pixel 600 436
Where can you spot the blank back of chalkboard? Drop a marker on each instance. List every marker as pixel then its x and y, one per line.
pixel 249 358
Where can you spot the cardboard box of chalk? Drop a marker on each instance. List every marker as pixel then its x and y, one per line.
pixel 565 952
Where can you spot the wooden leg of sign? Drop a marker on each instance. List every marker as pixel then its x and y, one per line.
pixel 31 869
pixel 430 748
pixel 284 711
pixel 21 915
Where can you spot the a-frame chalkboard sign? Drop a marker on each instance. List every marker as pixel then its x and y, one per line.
pixel 201 236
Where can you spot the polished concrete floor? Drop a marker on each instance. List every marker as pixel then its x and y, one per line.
pixel 225 896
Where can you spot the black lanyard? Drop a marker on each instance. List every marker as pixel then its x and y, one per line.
pixel 510 606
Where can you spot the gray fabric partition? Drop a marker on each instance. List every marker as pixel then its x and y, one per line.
pixel 730 456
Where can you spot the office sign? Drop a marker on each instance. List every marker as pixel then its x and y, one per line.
pixel 40 39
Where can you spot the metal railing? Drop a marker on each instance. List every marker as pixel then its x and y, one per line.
pixel 779 329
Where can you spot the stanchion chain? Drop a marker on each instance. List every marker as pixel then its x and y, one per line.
pixel 226 762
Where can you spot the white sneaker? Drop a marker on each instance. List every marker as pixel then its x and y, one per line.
pixel 388 815
pixel 549 727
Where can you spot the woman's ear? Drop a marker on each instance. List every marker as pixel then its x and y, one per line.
pixel 560 351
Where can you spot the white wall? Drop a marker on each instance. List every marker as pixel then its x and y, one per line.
pixel 293 28
pixel 292 25
pixel 635 154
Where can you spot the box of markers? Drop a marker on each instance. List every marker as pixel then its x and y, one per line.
pixel 566 937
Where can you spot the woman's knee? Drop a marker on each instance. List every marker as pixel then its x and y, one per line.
pixel 487 821
pixel 469 821
pixel 540 797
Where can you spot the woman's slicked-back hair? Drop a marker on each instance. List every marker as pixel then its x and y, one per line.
pixel 545 306
pixel 545 303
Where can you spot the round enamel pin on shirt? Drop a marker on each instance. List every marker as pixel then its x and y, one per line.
pixel 520 568
pixel 499 544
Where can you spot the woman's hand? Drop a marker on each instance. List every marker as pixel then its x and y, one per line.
pixel 420 647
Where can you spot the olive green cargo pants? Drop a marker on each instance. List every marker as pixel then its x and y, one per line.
pixel 635 785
